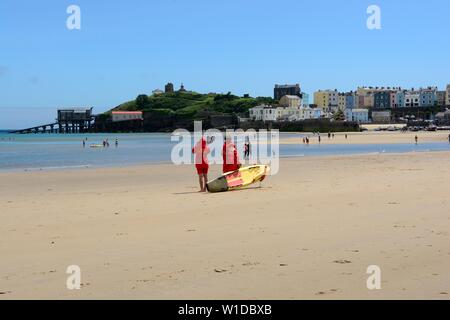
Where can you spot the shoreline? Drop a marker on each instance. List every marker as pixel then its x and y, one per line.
pixel 168 163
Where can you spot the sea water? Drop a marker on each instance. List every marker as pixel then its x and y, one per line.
pixel 59 151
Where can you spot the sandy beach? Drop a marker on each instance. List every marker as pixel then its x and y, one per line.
pixel 310 232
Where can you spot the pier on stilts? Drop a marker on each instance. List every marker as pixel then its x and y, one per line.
pixel 70 120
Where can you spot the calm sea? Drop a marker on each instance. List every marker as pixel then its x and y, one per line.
pixel 55 151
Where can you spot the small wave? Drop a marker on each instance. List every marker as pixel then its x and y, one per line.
pixel 58 167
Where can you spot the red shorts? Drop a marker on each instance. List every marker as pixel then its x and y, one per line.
pixel 202 169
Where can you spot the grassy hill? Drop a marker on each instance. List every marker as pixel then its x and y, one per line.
pixel 192 105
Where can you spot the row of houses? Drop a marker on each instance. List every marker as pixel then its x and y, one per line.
pixel 381 98
pixel 290 108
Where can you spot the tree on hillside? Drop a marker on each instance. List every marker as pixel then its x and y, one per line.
pixel 339 116
pixel 142 101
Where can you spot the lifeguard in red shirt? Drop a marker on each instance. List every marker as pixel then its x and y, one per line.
pixel 201 150
pixel 230 156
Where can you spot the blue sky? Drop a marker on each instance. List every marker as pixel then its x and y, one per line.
pixel 125 48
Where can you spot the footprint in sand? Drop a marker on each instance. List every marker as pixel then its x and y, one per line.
pixel 248 264
pixel 220 270
pixel 324 292
pixel 342 261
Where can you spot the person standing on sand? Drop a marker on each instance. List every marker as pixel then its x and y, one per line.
pixel 416 139
pixel 230 156
pixel 84 143
pixel 117 142
pixel 201 150
pixel 319 138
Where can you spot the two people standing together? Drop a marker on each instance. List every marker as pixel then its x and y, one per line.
pixel 230 159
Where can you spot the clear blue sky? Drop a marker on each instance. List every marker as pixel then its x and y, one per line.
pixel 125 48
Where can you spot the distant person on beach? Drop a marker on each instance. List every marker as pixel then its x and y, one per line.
pixel 230 156
pixel 117 143
pixel 416 138
pixel 345 136
pixel 449 138
pixel 247 150
pixel 104 143
pixel 201 151
pixel 319 138
pixel 84 143
pixel 329 135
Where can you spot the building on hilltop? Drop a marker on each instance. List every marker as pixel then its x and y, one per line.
pixel 287 89
pixel 182 89
pixel 168 88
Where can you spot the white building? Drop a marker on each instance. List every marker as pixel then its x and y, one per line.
pixel 269 113
pixel 126 115
pixel 412 99
pixel 265 113
pixel 357 115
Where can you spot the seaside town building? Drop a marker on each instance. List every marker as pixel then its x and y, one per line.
pixel 357 115
pixel 289 109
pixel 381 116
pixel 118 116
pixel 287 89
pixel 412 98
pixel 291 101
pixel 440 98
pixel 427 97
pixel 347 100
pixel 305 99
pixel 327 100
pixel 265 113
pixel 447 96
pixel 399 99
pixel 382 99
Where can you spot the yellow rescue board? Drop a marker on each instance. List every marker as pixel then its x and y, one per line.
pixel 243 177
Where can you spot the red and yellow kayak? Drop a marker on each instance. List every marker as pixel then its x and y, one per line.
pixel 241 178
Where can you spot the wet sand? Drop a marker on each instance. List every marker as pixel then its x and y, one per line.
pixel 371 137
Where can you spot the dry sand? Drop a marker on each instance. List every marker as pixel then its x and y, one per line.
pixel 370 137
pixel 309 233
